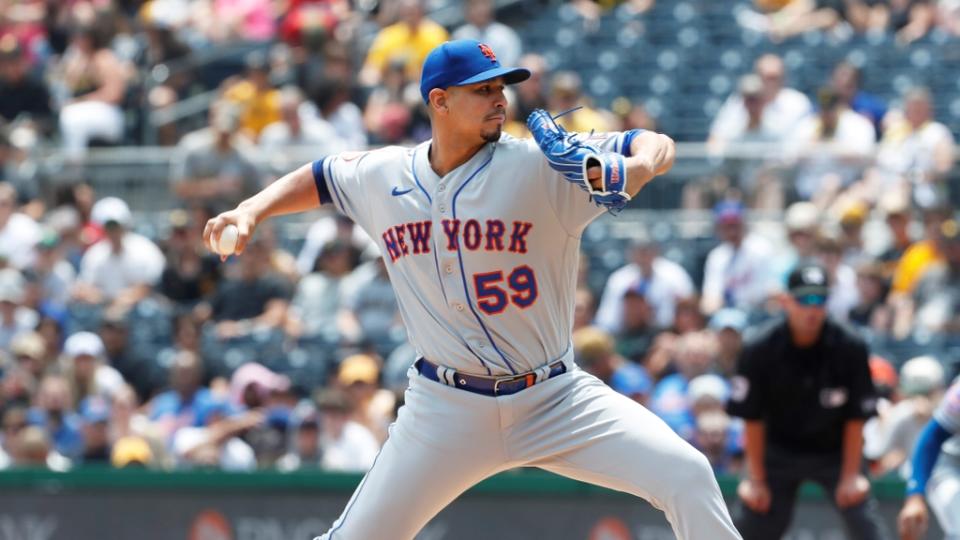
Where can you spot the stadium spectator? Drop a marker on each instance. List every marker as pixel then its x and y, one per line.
pixel 871 312
pixel 916 152
pixel 53 274
pixel 254 299
pixel 131 451
pixel 121 269
pixel 371 406
pixel 737 272
pixel 830 149
pixel 212 167
pixel 304 452
pixel 481 25
pixel 594 352
pixel 566 93
pixel 297 127
pixel 85 367
pixel 95 82
pixel 846 81
pixel 240 20
pixel 584 308
pixel 256 100
pixel 934 306
pixel 53 411
pixel 347 445
pixel 842 279
pixel 331 96
pixel 190 274
pixel 215 441
pixel 94 425
pixel 32 449
pixel 369 312
pixel 729 325
pixel 889 439
pixel 30 353
pixel 325 230
pixel 694 355
pixel 409 39
pixel 22 97
pixel 388 113
pixel 712 437
pixel 895 208
pixel 15 318
pixel 19 233
pixel 802 222
pixel 180 406
pixel 631 115
pixel 638 329
pixel 853 217
pixel 532 94
pixel 664 281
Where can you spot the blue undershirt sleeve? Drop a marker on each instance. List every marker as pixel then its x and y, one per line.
pixel 925 456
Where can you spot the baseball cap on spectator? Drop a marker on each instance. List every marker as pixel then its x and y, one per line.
pixel 210 408
pixel 359 368
pixel 728 211
pixel 950 231
pixel 262 378
pixel 731 318
pixel 854 214
pixel 801 216
pixel 461 62
pixel 94 410
pixel 630 380
pixel 111 210
pixel 921 375
pixel 29 345
pixel 130 450
pixel 808 284
pixel 708 386
pixel 12 285
pixel 83 344
pixel 591 344
pixel 49 239
pixel 883 374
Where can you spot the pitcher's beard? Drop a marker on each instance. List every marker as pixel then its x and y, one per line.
pixel 492 136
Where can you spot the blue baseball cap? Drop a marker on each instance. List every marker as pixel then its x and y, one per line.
pixel 461 62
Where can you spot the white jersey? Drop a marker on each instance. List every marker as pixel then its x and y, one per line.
pixel 483 260
pixel 947 415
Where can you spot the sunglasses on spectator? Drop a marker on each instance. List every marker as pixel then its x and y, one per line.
pixel 811 299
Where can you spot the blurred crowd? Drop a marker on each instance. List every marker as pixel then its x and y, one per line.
pixel 127 349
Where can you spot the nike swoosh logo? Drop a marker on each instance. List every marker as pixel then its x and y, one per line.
pixel 398 192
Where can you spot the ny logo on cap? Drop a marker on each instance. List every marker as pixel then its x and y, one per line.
pixel 488 52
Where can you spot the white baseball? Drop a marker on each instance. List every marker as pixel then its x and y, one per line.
pixel 227 243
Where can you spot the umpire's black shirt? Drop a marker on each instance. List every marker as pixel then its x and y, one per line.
pixel 803 395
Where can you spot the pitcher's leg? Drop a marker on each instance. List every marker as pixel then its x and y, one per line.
pixel 432 456
pixel 616 443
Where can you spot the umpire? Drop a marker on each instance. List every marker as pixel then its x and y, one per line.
pixel 803 388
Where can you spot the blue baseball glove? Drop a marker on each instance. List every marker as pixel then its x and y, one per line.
pixel 574 158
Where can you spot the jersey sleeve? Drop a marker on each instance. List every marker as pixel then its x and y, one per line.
pixel 573 206
pixel 862 403
pixel 747 399
pixel 948 412
pixel 339 182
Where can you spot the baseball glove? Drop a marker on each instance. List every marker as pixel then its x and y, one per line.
pixel 573 158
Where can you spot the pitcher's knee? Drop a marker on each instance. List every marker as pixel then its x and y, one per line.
pixel 691 474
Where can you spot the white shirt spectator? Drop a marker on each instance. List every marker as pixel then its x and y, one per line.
pixel 844 154
pixel 903 151
pixel 368 294
pixel 740 278
pixel 668 284
pixel 347 122
pixel 320 233
pixel 140 261
pixel 780 117
pixel 844 294
pixel 17 240
pixel 235 455
pixel 354 451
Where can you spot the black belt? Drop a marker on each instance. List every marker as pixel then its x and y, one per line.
pixel 487 386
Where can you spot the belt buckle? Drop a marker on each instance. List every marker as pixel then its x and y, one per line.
pixel 529 377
